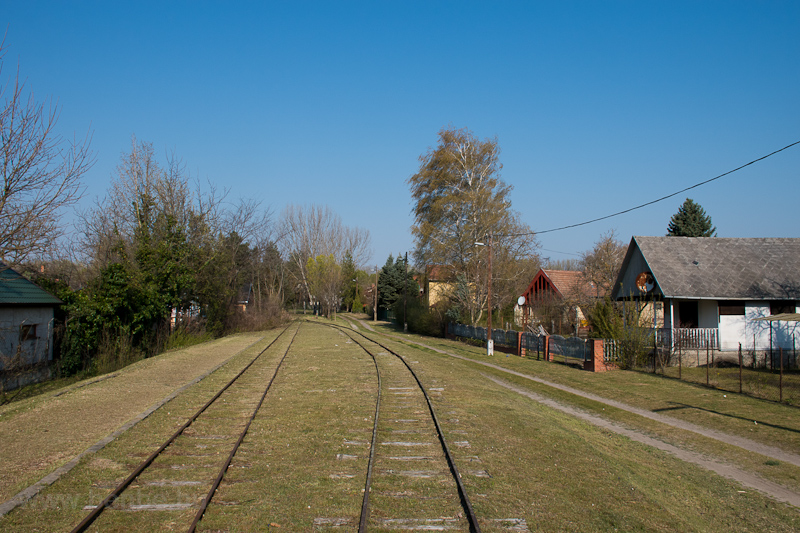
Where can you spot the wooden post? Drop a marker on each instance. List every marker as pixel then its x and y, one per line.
pixel 489 340
pixel 375 307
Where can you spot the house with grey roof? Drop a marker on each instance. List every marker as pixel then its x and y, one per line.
pixel 26 329
pixel 716 287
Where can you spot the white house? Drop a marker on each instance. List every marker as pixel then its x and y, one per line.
pixel 26 329
pixel 714 287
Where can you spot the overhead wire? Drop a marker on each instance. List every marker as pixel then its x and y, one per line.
pixel 652 201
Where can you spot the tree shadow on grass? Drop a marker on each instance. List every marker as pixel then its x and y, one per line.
pixel 679 406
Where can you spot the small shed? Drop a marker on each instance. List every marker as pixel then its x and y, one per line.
pixel 26 329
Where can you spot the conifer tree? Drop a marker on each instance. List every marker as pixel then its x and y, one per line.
pixel 691 220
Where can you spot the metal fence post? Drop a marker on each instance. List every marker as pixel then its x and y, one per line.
pixel 740 368
pixel 780 380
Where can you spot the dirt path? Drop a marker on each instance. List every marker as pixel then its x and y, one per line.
pixel 89 415
pixel 720 467
pixel 729 471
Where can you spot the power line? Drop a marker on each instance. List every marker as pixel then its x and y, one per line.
pixel 559 252
pixel 653 201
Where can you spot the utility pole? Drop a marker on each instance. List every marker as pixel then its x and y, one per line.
pixel 490 342
pixel 375 307
pixel 405 294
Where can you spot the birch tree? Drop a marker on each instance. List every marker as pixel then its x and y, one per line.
pixel 325 282
pixel 459 199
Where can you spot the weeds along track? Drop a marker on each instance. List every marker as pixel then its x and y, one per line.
pixel 412 480
pixel 221 424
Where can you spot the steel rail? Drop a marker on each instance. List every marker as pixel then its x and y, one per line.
pixel 474 527
pixel 362 523
pixel 109 500
pixel 224 469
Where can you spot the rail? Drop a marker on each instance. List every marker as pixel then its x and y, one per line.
pixel 469 513
pixel 117 491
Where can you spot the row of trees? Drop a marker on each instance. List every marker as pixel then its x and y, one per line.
pixel 161 254
pixel 156 255
pixel 161 251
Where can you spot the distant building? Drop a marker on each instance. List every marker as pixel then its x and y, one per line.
pixel 26 329
pixel 438 283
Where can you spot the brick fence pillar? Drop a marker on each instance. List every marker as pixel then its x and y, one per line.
pixel 596 362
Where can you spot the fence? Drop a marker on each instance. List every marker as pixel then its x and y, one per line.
pixel 569 349
pixel 772 375
pixel 504 340
pixel 694 357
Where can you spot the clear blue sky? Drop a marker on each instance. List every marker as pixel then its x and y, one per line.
pixel 597 106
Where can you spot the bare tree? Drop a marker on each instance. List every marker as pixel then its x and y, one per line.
pixel 309 232
pixel 601 265
pixel 41 172
pixel 143 190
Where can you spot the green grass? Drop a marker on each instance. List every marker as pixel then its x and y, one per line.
pixel 518 458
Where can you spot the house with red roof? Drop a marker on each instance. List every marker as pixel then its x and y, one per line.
pixel 555 301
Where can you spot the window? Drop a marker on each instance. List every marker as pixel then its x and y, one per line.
pixel 777 307
pixel 731 307
pixel 688 314
pixel 27 332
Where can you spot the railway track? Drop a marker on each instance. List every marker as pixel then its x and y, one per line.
pixel 409 458
pixel 231 422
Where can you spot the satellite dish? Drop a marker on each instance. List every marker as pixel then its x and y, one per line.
pixel 521 301
pixel 645 282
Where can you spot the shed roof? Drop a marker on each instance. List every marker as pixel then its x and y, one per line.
pixel 18 290
pixel 720 268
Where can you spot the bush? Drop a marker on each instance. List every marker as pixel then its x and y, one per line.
pixel 115 351
pixel 620 321
pixel 424 320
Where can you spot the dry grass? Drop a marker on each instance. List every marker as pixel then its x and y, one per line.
pixel 518 459
pixel 43 432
